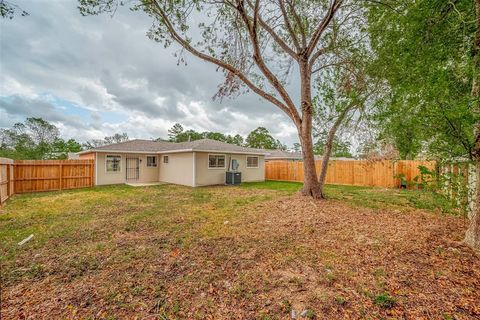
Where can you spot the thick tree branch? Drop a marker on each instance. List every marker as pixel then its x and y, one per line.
pixel 322 26
pixel 275 36
pixel 184 43
pixel 288 25
pixel 257 56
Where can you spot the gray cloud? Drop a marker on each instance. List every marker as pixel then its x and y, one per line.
pixel 109 67
pixel 20 106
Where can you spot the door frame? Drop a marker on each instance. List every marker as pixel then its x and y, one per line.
pixel 135 169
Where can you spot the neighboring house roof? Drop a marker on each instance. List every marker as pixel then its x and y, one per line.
pixel 283 155
pixel 291 155
pixel 145 146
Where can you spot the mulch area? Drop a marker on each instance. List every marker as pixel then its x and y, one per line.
pixel 333 260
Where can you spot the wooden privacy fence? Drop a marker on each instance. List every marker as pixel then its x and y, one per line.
pixel 6 179
pixel 21 176
pixel 351 172
pixel 48 175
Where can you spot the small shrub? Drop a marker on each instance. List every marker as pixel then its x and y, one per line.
pixel 384 300
pixel 340 300
pixel 286 305
pixel 310 314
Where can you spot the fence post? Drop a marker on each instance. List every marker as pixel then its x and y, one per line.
pixel 8 180
pixel 60 176
pixel 92 173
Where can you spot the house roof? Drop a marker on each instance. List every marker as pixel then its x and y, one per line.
pixel 291 155
pixel 143 146
pixel 282 154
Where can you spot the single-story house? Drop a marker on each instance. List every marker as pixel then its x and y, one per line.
pixel 195 163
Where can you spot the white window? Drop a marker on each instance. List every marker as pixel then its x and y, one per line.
pixel 112 163
pixel 165 159
pixel 252 162
pixel 151 161
pixel 216 161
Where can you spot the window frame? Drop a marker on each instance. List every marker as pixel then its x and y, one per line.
pixel 165 157
pixel 119 163
pixel 217 155
pixel 246 162
pixel 156 161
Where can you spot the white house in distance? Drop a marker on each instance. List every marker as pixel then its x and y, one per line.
pixel 196 163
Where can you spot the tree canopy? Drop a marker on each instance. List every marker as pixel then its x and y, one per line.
pixel 35 139
pixel 258 138
pixel 261 138
pixel 424 50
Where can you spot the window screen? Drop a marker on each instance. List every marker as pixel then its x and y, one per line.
pixel 216 161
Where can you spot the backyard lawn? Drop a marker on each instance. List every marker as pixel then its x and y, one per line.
pixel 258 251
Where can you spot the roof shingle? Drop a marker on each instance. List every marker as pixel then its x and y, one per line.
pixel 138 145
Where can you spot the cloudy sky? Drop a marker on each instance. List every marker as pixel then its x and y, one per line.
pixel 95 76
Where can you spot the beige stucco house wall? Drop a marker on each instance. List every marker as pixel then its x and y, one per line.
pixel 185 165
pixel 178 170
pixel 102 177
pixel 210 176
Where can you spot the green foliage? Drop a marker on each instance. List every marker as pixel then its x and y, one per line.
pixel 260 138
pixel 35 139
pixel 177 134
pixel 424 51
pixel 340 149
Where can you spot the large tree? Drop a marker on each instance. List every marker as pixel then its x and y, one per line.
pixel 257 44
pixel 424 51
pixel 345 97
pixel 428 51
pixel 472 236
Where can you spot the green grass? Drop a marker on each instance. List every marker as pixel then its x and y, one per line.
pixel 377 198
pixel 140 244
pixel 285 187
pixel 384 300
pixel 69 215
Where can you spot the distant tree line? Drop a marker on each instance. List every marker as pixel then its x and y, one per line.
pixel 259 138
pixel 36 139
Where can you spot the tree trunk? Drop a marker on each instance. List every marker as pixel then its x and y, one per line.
pixel 311 187
pixel 472 236
pixel 329 145
pixel 325 158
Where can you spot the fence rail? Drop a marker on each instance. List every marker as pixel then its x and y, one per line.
pixel 351 172
pixel 21 176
